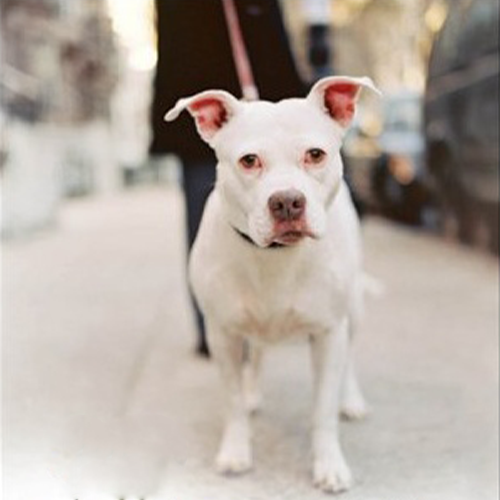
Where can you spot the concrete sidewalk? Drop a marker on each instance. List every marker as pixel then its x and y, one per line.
pixel 103 397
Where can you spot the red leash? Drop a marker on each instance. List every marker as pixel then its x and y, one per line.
pixel 240 55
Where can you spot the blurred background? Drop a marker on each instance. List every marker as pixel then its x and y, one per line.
pixel 102 392
pixel 77 83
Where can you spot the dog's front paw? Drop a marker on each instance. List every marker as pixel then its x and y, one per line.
pixel 235 454
pixel 331 474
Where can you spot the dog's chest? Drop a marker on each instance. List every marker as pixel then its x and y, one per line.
pixel 272 305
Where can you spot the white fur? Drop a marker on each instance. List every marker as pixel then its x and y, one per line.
pixel 312 289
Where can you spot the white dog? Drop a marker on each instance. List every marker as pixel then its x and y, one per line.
pixel 278 255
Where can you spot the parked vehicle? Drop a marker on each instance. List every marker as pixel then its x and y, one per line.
pixel 461 120
pixel 387 169
pixel 359 152
pixel 397 178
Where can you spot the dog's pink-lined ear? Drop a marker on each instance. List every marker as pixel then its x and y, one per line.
pixel 211 110
pixel 337 95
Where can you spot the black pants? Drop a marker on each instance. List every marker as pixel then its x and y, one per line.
pixel 198 182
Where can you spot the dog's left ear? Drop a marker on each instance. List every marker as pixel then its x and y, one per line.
pixel 211 110
pixel 337 96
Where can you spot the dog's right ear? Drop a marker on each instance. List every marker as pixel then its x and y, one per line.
pixel 211 110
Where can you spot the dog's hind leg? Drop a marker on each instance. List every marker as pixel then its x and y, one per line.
pixel 251 378
pixel 352 402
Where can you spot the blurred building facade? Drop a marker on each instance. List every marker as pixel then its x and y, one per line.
pixel 58 74
pixel 388 40
pixel 76 84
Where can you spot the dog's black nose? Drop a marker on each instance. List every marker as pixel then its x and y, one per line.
pixel 287 205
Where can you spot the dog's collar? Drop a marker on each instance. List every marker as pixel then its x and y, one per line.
pixel 247 238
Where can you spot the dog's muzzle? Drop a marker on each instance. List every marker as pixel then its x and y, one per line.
pixel 287 210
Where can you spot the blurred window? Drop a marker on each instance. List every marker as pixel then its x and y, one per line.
pixel 479 34
pixel 446 51
pixel 470 30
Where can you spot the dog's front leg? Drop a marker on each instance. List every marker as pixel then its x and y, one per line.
pixel 329 356
pixel 235 454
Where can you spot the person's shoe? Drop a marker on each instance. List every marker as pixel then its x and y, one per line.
pixel 202 350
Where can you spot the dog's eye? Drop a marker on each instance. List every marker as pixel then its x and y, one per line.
pixel 314 156
pixel 250 162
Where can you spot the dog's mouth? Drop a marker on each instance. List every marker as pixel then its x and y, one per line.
pixel 291 236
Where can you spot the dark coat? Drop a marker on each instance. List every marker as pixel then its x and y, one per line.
pixel 195 55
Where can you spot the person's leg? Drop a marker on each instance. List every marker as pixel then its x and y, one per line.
pixel 198 181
